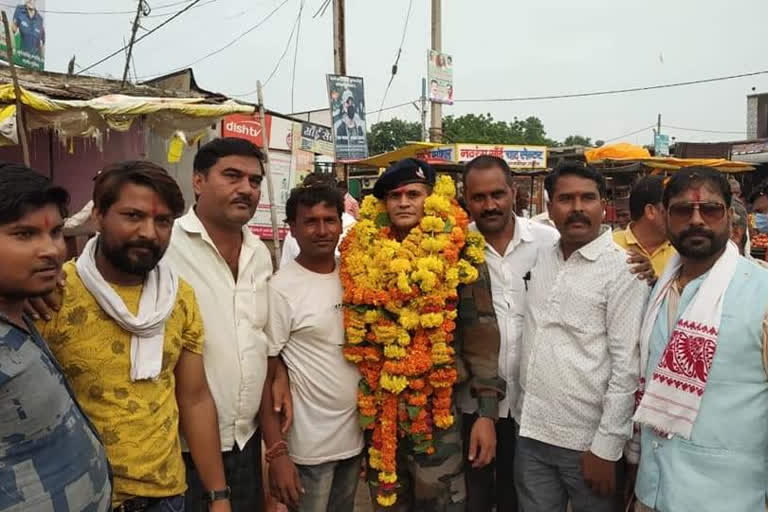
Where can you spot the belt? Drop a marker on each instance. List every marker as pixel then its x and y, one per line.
pixel 137 504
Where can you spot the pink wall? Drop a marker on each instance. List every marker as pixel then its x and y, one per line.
pixel 74 163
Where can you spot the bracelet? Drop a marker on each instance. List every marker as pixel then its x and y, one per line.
pixel 277 450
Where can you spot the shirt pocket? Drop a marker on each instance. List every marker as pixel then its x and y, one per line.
pixel 583 310
pixel 251 305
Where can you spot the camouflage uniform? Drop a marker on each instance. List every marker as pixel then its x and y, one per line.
pixel 435 483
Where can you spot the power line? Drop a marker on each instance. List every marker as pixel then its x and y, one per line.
pixel 392 107
pixel 169 13
pixel 87 13
pixel 229 44
pixel 631 133
pixel 296 52
pixel 323 7
pixel 397 59
pixel 138 39
pixel 613 91
pixel 280 60
pixel 734 132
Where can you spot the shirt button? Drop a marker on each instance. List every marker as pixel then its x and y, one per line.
pixel 655 445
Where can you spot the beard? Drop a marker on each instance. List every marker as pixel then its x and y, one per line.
pixel 119 255
pixel 714 243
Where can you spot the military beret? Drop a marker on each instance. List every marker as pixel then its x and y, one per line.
pixel 403 172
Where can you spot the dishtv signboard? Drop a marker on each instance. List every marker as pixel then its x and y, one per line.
pixel 246 126
pixel 25 18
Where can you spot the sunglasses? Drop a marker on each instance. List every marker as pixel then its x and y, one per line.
pixel 709 212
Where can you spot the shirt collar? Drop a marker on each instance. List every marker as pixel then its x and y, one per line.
pixel 629 236
pixel 631 239
pixel 596 247
pixel 523 233
pixel 192 224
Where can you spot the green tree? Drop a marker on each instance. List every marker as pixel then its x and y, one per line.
pixel 388 135
pixel 577 140
pixel 484 129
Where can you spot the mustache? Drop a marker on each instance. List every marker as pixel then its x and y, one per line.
pixel 491 213
pixel 140 244
pixel 243 200
pixel 578 217
pixel 697 231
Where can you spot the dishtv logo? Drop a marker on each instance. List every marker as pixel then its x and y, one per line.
pixel 244 127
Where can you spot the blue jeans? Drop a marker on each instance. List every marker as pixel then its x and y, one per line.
pixel 330 487
pixel 547 477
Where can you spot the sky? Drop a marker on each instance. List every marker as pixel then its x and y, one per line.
pixel 500 49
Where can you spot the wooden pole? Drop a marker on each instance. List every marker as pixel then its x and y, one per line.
pixel 130 45
pixel 268 175
pixel 436 130
pixel 16 92
pixel 339 36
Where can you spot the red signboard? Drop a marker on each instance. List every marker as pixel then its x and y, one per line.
pixel 245 126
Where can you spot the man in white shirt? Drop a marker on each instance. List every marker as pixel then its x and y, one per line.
pixel 512 244
pixel 290 246
pixel 318 468
pixel 579 362
pixel 214 251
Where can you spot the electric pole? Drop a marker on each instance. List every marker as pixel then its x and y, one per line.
pixel 139 11
pixel 436 130
pixel 339 48
pixel 658 125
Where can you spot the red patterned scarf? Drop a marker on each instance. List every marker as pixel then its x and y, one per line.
pixel 670 402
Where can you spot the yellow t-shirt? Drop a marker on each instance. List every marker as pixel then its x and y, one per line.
pixel 137 421
pixel 660 256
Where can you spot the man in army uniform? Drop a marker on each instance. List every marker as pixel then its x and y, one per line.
pixel 436 482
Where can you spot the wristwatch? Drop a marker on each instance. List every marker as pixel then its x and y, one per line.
pixel 222 494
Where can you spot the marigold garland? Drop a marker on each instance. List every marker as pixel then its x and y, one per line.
pixel 400 309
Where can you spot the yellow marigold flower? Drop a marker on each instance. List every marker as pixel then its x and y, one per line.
pixel 429 320
pixel 394 351
pixel 387 477
pixel 437 205
pixel 444 421
pixel 426 279
pixel 355 335
pixel 433 245
pixel 353 358
pixel 452 277
pixel 399 265
pixel 452 314
pixel 476 239
pixel 409 319
pixel 371 316
pixel 402 283
pixel 393 383
pixel 438 337
pixel 475 254
pixel 370 208
pixel 386 500
pixel 467 273
pixel 403 338
pixel 431 224
pixel 385 334
pixel 374 458
pixel 431 263
pixel 440 354
pixel 445 187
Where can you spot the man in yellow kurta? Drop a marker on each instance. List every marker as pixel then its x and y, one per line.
pixel 646 234
pixel 129 337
